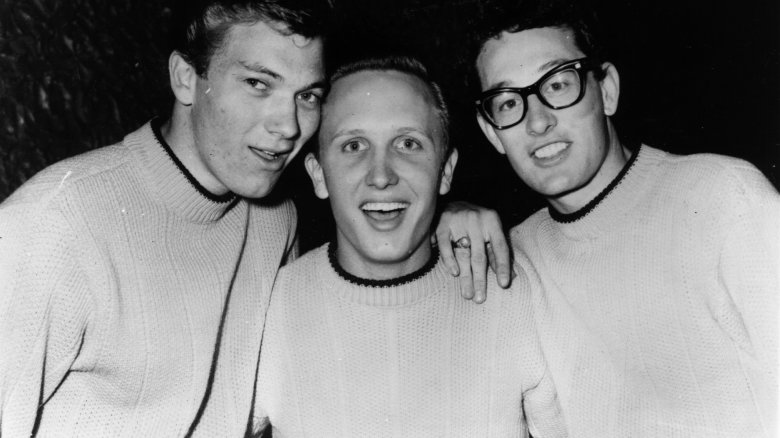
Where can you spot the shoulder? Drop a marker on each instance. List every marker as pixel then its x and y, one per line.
pixel 64 178
pixel 279 214
pixel 712 173
pixel 304 269
pixel 65 190
pixel 283 207
pixel 520 234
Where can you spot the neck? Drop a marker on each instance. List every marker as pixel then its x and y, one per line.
pixel 178 133
pixel 377 266
pixel 616 158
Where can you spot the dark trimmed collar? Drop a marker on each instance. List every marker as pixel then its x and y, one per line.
pixel 156 124
pixel 590 206
pixel 390 282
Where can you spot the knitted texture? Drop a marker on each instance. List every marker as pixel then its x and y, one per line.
pixel 408 360
pixel 130 303
pixel 659 311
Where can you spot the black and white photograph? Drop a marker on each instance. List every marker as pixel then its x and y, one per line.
pixel 389 218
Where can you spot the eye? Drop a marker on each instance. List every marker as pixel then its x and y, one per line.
pixel 310 99
pixel 506 102
pixel 408 144
pixel 560 83
pixel 556 86
pixel 507 105
pixel 256 84
pixel 354 146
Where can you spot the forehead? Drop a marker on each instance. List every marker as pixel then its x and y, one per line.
pixel 263 44
pixel 379 101
pixel 518 59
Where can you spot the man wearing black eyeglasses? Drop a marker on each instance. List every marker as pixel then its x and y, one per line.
pixel 658 312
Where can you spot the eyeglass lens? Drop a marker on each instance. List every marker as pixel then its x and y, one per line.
pixel 557 91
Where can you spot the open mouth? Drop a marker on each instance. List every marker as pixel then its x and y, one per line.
pixel 268 155
pixel 382 211
pixel 551 150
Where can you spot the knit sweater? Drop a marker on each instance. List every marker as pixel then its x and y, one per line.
pixel 345 357
pixel 659 311
pixel 131 301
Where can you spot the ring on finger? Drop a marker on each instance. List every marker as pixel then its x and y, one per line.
pixel 464 242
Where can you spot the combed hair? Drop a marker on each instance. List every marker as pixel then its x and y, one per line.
pixel 577 16
pixel 404 64
pixel 201 26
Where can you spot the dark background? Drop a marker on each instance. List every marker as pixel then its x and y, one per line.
pixel 695 77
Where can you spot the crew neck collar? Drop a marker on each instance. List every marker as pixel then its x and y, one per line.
pixel 169 181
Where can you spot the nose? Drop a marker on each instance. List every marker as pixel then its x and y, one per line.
pixel 539 118
pixel 381 173
pixel 283 119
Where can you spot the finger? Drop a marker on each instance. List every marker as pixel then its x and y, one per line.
pixel 479 269
pixel 478 259
pixel 499 252
pixel 463 256
pixel 445 251
pixel 491 257
pixel 502 253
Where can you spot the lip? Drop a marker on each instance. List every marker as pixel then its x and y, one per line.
pixel 551 153
pixel 273 159
pixel 384 215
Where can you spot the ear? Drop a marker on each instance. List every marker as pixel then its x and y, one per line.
pixel 314 170
pixel 183 79
pixel 447 172
pixel 490 133
pixel 610 88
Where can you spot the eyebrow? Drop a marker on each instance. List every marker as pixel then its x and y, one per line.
pixel 401 130
pixel 544 68
pixel 257 68
pixel 320 83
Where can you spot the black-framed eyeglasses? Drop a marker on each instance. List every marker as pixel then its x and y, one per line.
pixel 559 88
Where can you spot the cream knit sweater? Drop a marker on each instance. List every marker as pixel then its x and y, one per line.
pixel 659 311
pixel 131 304
pixel 400 358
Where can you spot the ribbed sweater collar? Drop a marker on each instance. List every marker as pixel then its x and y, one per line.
pixel 617 200
pixel 169 181
pixel 400 291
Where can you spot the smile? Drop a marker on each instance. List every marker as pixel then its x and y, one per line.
pixel 268 155
pixel 550 151
pixel 384 211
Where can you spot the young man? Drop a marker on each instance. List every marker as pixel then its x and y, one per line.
pixel 367 336
pixel 659 272
pixel 134 279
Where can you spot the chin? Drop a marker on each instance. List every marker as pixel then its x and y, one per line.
pixel 386 253
pixel 257 192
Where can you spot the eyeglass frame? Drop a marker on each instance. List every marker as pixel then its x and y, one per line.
pixel 582 66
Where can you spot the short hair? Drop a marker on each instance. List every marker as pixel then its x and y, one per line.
pixel 577 16
pixel 201 26
pixel 404 64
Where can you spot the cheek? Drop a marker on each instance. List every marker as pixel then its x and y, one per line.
pixel 308 122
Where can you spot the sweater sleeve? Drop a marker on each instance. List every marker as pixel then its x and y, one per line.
pixel 749 262
pixel 44 307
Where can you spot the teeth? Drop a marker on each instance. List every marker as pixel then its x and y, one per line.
pixel 550 150
pixel 383 206
pixel 266 153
